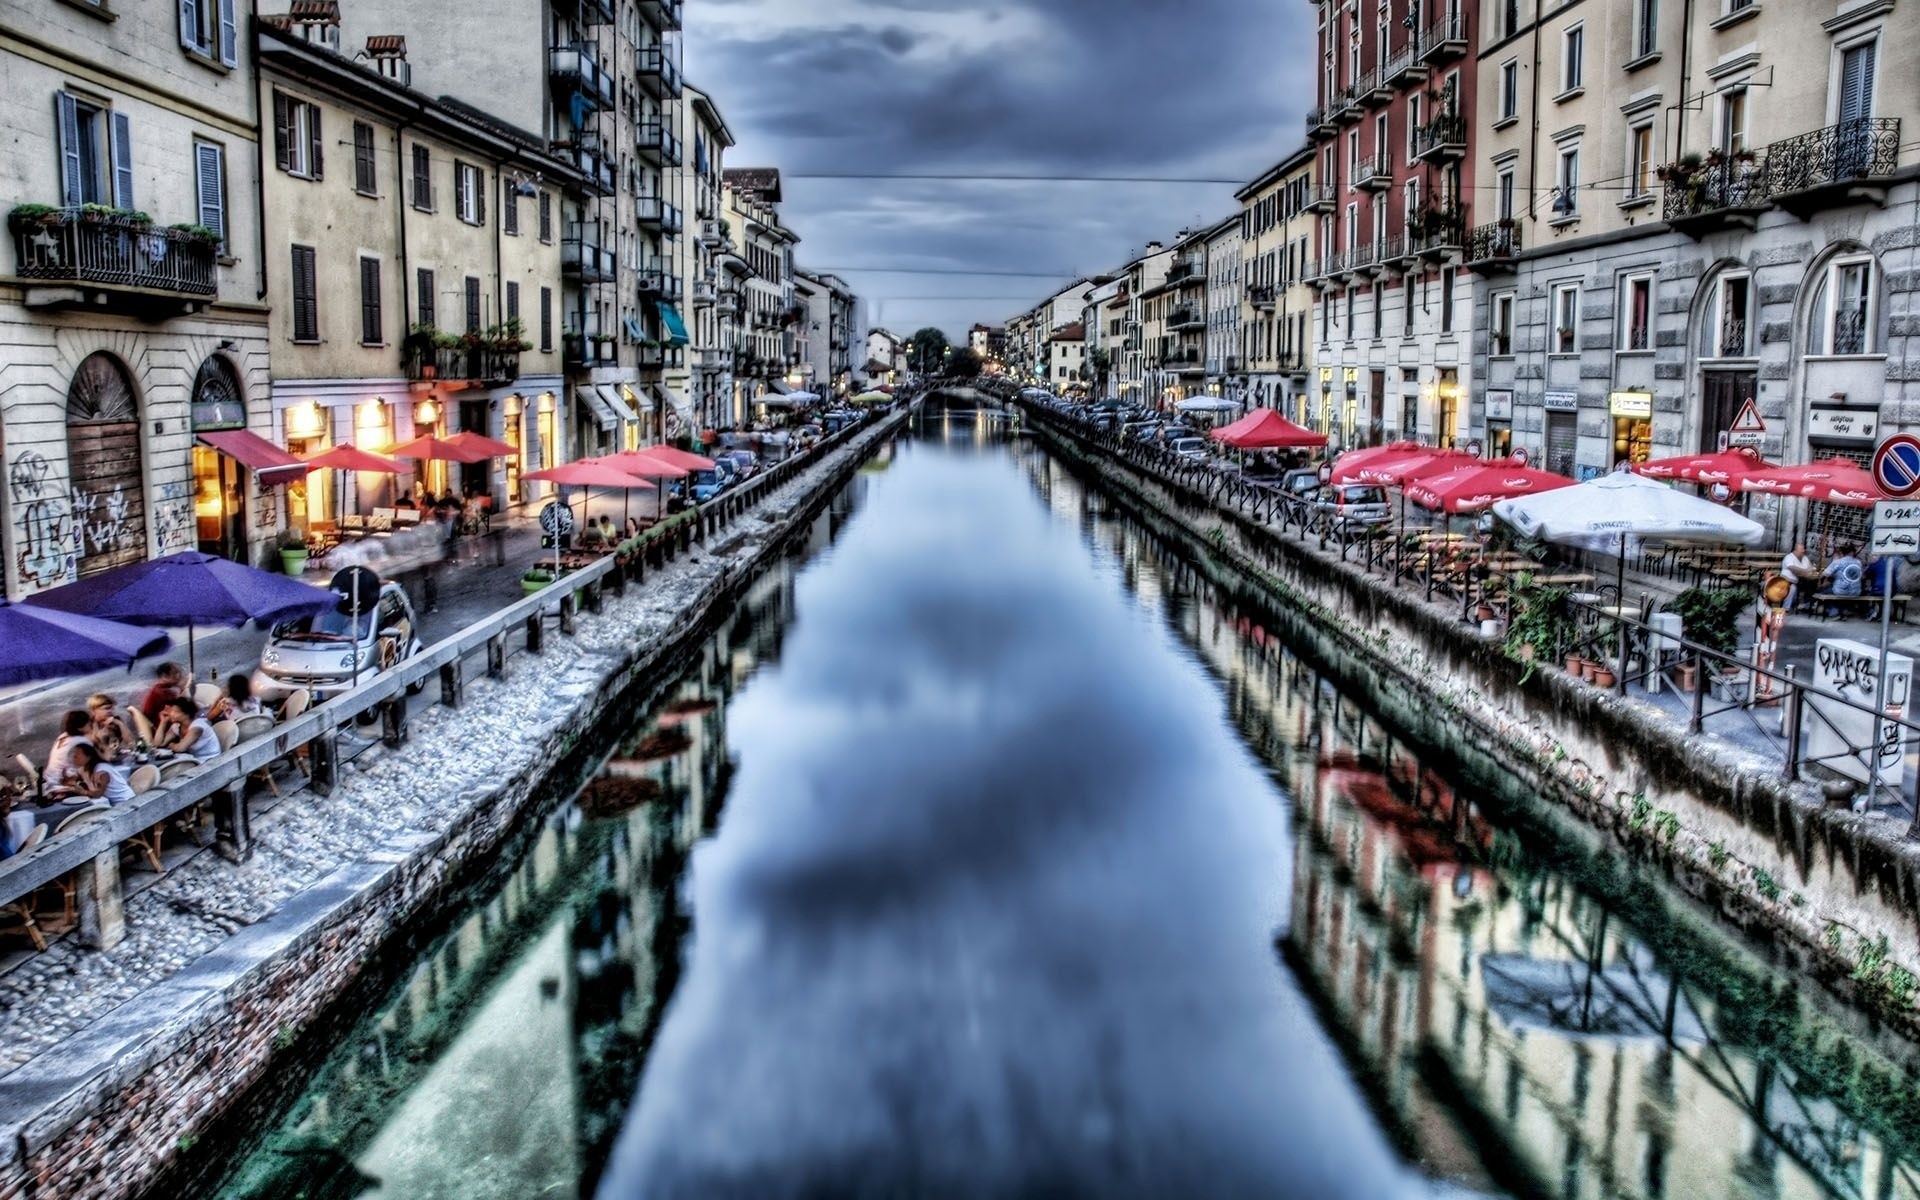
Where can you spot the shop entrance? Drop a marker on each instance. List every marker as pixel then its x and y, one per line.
pixel 1722 395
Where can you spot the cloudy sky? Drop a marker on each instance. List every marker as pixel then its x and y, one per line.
pixel 1168 89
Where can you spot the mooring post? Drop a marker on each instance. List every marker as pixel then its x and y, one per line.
pixel 536 633
pixel 453 684
pixel 324 756
pixel 100 901
pixel 497 655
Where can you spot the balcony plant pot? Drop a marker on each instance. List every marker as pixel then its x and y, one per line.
pixel 1686 676
pixel 535 579
pixel 1602 677
pixel 1575 665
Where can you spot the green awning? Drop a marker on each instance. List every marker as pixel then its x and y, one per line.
pixel 670 321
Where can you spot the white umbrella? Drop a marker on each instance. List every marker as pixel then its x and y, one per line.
pixel 1621 505
pixel 1207 404
pixel 802 397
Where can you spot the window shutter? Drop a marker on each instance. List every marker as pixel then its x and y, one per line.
pixel 513 301
pixel 479 195
pixel 122 160
pixel 306 317
pixel 210 187
pixel 473 304
pixel 546 216
pixel 190 24
pixel 227 39
pixel 282 131
pixel 313 140
pixel 510 211
pixel 68 120
pixel 424 281
pixel 546 318
pixel 363 177
pixel 370 301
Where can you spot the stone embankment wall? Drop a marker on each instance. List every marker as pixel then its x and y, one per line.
pixel 1836 894
pixel 105 1112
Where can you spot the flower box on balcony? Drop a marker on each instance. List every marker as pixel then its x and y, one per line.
pixel 95 243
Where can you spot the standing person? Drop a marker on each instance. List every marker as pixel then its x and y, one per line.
pixel 170 684
pixel 1796 568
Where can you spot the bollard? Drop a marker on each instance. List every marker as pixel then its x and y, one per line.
pixel 100 902
pixel 324 752
pixel 497 656
pixel 452 684
pixel 232 828
pixel 1790 722
pixel 569 603
pixel 590 596
pixel 536 633
pixel 393 722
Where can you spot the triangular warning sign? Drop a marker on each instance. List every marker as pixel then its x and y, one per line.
pixel 1748 421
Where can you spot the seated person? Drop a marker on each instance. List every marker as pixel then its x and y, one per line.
pixel 184 730
pixel 608 533
pixel 92 780
pixel 108 731
pixel 634 527
pixel 73 734
pixel 1877 575
pixel 171 682
pixel 590 536
pixel 1844 575
pixel 238 702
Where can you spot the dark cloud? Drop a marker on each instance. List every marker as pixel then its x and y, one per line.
pixel 1209 88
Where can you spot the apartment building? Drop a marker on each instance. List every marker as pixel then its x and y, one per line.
pixel 132 309
pixel 827 331
pixel 415 286
pixel 1703 229
pixel 1397 89
pixel 1066 357
pixel 716 315
pixel 1277 231
pixel 1174 323
pixel 1102 318
pixel 886 357
pixel 1135 378
pixel 1224 296
pixel 762 275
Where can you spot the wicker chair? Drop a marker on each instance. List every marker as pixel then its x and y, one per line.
pixel 21 911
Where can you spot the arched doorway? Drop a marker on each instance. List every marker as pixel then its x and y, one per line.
pixel 219 482
pixel 104 466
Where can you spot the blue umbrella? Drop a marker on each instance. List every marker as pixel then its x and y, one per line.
pixel 47 644
pixel 189 589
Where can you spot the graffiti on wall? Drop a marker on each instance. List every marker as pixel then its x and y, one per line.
pixel 173 525
pixel 103 520
pixel 48 544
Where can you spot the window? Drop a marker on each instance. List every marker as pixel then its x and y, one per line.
pixel 546 216
pixel 1406 309
pixel 90 171
pixel 296 136
pixel 1573 49
pixel 210 188
pixel 1503 194
pixel 1566 203
pixel 364 180
pixel 422 178
pixel 370 302
pixel 423 284
pixel 1509 89
pixel 1636 313
pixel 306 298
pixel 1733 120
pixel 207 28
pixel 1843 314
pixel 1646 27
pixel 1411 201
pixel 1353 155
pixel 1640 161
pixel 546 319
pixel 1857 65
pixel 469 193
pixel 1565 338
pixel 1500 336
pixel 1446 300
pixel 1727 328
pixel 1379 307
pixel 472 292
pixel 1413 127
pixel 513 301
pixel 510 210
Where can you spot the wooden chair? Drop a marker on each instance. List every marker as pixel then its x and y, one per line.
pixel 228 733
pixel 21 911
pixel 177 768
pixel 143 779
pixel 206 695
pixel 381 523
pixel 353 525
pixel 250 727
pixel 296 705
pixel 35 784
pixel 406 518
pixel 68 885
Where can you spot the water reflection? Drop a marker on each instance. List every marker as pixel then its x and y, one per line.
pixel 1003 856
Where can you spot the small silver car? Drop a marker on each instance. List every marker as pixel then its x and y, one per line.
pixel 320 653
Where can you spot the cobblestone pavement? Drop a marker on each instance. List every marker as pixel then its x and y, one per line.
pixel 421 787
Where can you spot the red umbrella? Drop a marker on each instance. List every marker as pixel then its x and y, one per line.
pixel 683 459
pixel 442 449
pixel 480 445
pixel 1403 469
pixel 348 457
pixel 651 463
pixel 1468 489
pixel 589 472
pixel 1831 481
pixel 1724 466
pixel 1265 429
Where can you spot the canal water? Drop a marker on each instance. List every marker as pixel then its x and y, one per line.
pixel 987 851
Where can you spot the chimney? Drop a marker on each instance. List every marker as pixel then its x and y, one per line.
pixel 388 51
pixel 318 21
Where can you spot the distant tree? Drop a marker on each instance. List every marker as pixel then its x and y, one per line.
pixel 963 363
pixel 927 350
pixel 1099 366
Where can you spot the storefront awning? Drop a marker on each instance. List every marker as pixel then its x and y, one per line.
pixel 269 463
pixel 617 401
pixel 603 414
pixel 670 321
pixel 778 386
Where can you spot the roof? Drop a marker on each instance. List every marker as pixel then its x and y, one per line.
pixel 1299 160
pixel 708 111
pixel 387 43
pixel 1075 332
pixel 315 10
pixel 763 182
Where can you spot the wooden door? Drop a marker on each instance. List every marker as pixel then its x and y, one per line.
pixel 1722 395
pixel 104 467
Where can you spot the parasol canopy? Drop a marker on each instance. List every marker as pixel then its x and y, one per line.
pixel 1468 489
pixel 441 449
pixel 1620 505
pixel 480 445
pixel 348 457
pixel 1722 466
pixel 1265 429
pixel 589 472
pixel 1830 481
pixel 1398 470
pixel 48 643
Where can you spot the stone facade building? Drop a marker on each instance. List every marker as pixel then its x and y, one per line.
pixel 1277 231
pixel 1225 296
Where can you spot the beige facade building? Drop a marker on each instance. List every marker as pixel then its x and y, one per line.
pixel 1276 232
pixel 1066 357
pixel 1226 294
pixel 714 326
pixel 132 313
pixel 761 274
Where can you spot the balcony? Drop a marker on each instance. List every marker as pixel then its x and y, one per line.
pixel 705 294
pixel 1319 123
pixel 663 15
pixel 1444 40
pixel 1233 364
pixel 657 280
pixel 1188 317
pixel 654 213
pixel 1367 260
pixel 1491 248
pixel 1261 295
pixel 596 12
pixel 1371 90
pixel 1437 233
pixel 712 358
pixel 585 154
pixel 655 143
pixel 1322 198
pixel 1849 162
pixel 661 358
pixel 76 246
pixel 1403 67
pixel 450 364
pixel 656 72
pixel 1345 105
pixel 1186 272
pixel 1443 139
pixel 1703 197
pixel 583 352
pixel 582 257
pixel 575 70
pixel 710 235
pixel 1373 174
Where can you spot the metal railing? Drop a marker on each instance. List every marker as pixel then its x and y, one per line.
pixel 1863 148
pixel 1710 188
pixel 1772 707
pixel 1496 242
pixel 74 244
pixel 490 642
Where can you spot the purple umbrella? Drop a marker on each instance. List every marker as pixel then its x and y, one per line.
pixel 47 643
pixel 189 589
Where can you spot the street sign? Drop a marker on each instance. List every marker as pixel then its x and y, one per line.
pixel 1748 421
pixel 1896 527
pixel 1896 465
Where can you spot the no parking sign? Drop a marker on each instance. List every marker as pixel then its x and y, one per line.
pixel 1896 465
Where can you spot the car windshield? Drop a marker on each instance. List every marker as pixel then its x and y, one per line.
pixel 331 625
pixel 1363 495
pixel 1189 443
pixel 707 476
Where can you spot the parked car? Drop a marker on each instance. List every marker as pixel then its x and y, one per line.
pixel 1301 481
pixel 744 462
pixel 320 653
pixel 1354 503
pixel 1194 448
pixel 713 480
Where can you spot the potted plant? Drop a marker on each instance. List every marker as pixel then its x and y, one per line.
pixel 293 552
pixel 1711 618
pixel 199 235
pixel 1540 623
pixel 23 217
pixel 535 578
pixel 418 350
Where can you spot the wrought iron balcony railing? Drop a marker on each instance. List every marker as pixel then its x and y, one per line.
pixel 1865 148
pixel 1498 242
pixel 73 244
